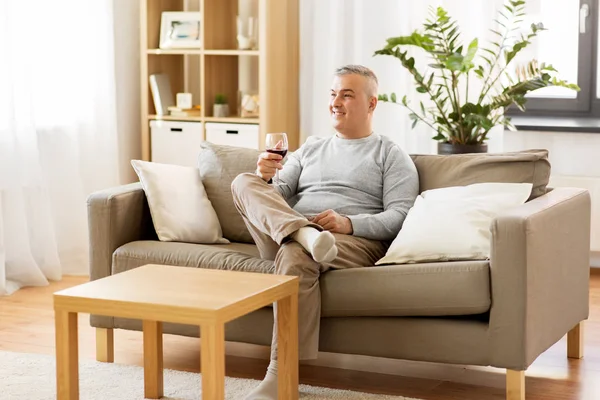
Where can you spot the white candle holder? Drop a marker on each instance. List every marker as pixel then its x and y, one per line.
pixel 246 33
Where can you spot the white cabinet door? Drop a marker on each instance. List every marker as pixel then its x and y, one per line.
pixel 238 135
pixel 175 142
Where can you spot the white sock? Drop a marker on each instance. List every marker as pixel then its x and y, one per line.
pixel 321 245
pixel 267 389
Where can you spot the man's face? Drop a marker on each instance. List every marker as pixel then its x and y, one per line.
pixel 349 104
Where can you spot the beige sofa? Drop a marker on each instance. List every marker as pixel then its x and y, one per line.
pixel 503 312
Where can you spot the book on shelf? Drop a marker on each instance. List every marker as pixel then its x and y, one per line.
pixel 160 86
pixel 184 112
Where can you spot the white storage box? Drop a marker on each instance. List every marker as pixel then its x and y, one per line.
pixel 239 135
pixel 175 142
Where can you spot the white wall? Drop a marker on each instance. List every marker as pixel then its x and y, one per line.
pixel 127 72
pixel 575 162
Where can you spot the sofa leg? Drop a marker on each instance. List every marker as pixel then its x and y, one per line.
pixel 575 341
pixel 515 385
pixel 105 349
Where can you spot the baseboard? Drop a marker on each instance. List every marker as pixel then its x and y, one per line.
pixel 484 376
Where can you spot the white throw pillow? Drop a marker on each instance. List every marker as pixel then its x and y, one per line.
pixel 453 223
pixel 180 209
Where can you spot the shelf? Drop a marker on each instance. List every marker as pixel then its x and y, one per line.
pixel 233 120
pixel 174 51
pixel 172 118
pixel 218 66
pixel 200 51
pixel 232 52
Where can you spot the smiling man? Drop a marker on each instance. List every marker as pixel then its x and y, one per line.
pixel 342 199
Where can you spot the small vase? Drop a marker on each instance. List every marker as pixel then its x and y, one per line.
pixel 221 110
pixel 452 148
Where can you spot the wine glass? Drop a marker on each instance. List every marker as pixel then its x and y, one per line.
pixel 277 143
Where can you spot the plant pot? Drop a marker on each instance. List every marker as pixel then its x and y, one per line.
pixel 451 148
pixel 221 110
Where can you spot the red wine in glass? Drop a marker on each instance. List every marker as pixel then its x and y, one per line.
pixel 281 152
pixel 277 143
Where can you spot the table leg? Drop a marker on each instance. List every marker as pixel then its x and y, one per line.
pixel 212 357
pixel 67 368
pixel 105 345
pixel 287 347
pixel 153 360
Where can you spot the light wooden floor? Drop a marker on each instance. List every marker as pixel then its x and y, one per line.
pixel 27 325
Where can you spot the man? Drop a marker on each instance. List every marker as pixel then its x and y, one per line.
pixel 340 202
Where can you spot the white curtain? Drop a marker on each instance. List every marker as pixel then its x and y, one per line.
pixel 338 32
pixel 58 139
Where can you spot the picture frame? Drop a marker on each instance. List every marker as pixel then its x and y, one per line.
pixel 181 30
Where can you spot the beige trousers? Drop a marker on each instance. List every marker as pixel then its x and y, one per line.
pixel 270 221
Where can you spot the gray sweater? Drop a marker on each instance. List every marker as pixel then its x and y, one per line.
pixel 372 181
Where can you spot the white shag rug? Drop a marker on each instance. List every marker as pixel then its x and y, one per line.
pixel 32 377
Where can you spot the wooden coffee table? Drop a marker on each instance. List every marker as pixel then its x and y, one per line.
pixel 204 297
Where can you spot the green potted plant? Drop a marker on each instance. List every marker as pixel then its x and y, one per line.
pixel 220 106
pixel 462 124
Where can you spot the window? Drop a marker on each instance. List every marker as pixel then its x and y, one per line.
pixel 570 46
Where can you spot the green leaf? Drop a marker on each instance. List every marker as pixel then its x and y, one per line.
pixel 440 136
pixel 452 32
pixel 455 62
pixel 503 15
pixel 415 39
pixel 467 62
pixel 537 27
pixel 548 68
pixel 487 60
pixel 443 102
pixel 393 97
pixel 423 108
pixel 430 80
pixel 492 53
pixel 404 101
pixel 479 71
pixel 415 122
pixel 516 93
pixel 436 66
pixel 452 41
pixel 487 124
pixel 470 108
pixel 421 89
pixel 509 55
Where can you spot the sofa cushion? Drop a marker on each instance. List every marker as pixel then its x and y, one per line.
pixel 430 289
pixel 453 223
pixel 218 166
pixel 528 166
pixel 180 208
pixel 233 256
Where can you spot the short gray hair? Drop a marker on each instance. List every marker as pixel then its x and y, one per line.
pixel 362 71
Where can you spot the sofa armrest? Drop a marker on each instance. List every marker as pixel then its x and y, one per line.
pixel 540 268
pixel 116 216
